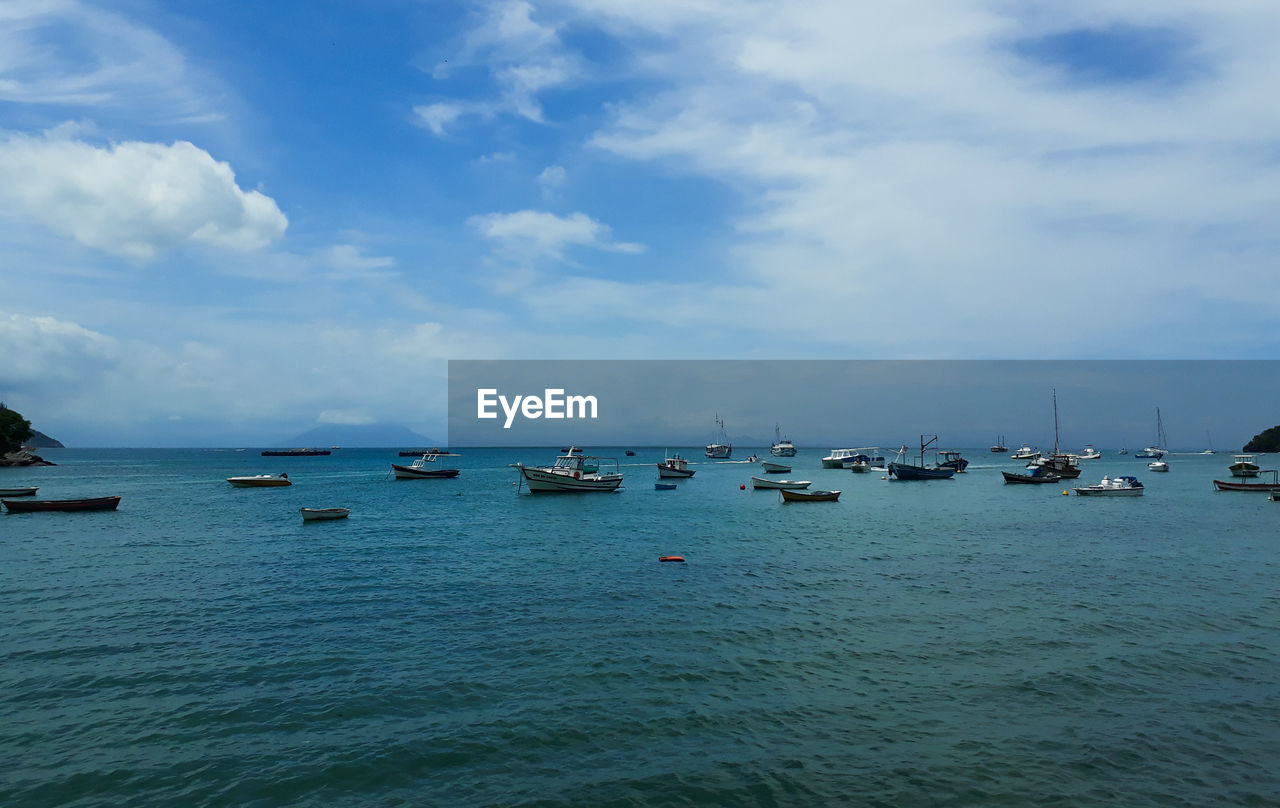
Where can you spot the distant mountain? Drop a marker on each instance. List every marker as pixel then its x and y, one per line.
pixel 352 435
pixel 39 440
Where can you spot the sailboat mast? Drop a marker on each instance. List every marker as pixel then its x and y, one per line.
pixel 1055 420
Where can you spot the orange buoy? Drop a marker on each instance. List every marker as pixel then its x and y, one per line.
pixel 671 558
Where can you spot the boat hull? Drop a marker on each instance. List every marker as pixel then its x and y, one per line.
pixel 1109 492
pixel 1262 488
pixel 906 471
pixel 1031 479
pixel 793 485
pixel 324 514
pixel 673 473
pixel 774 468
pixel 25 491
pixel 789 495
pixel 1244 471
pixel 31 505
pixel 543 481
pixel 407 473
pixel 259 482
pixel 718 451
pixel 783 451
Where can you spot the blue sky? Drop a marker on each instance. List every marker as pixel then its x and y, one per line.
pixel 221 223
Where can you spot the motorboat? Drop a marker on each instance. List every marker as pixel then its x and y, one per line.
pixel 868 458
pixel 789 495
pixel 419 470
pixel 837 458
pixel 1244 466
pixel 1261 488
pixel 720 448
pixel 675 466
pixel 261 480
pixel 571 472
pixel 21 491
pixel 919 471
pixel 1122 486
pixel 761 482
pixel 774 468
pixel 1025 452
pixel 30 505
pixel 1037 477
pixel 1158 465
pixel 1089 453
pixel 781 447
pixel 324 514
pixel 1122 451
pixel 949 458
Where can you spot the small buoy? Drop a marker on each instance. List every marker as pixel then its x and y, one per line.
pixel 742 487
pixel 1065 494
pixel 671 558
pixel 884 478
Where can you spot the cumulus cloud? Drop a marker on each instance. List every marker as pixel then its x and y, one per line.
pixel 44 351
pixel 540 233
pixel 551 179
pixel 134 199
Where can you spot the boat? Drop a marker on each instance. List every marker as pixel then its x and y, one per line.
pixel 664 486
pixel 1122 486
pixel 1262 488
pixel 1122 451
pixel 418 470
pixel 438 452
pixel 630 453
pixel 675 466
pixel 261 481
pixel 789 495
pixel 22 491
pixel 1089 453
pixel 322 514
pixel 1160 448
pixel 774 468
pixel 761 482
pixel 913 471
pixel 1060 463
pixel 1025 452
pixel 30 505
pixel 720 449
pixel 1275 496
pixel 949 458
pixel 868 458
pixel 1037 477
pixel 837 457
pixel 1243 466
pixel 1158 465
pixel 998 447
pixel 781 446
pixel 295 452
pixel 572 472
pixel 1209 440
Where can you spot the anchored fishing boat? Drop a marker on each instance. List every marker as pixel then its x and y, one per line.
pixel 572 472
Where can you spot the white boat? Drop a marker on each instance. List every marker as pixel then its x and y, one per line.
pixel 781 446
pixel 1122 451
pixel 675 466
pixel 322 514
pixel 23 491
pixel 761 482
pixel 1158 465
pixel 720 448
pixel 1160 449
pixel 1244 466
pixel 1122 486
pixel 1025 452
pixel 865 459
pixel 837 457
pixel 571 472
pixel 1089 453
pixel 261 480
pixel 774 468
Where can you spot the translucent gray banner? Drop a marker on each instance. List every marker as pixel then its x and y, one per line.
pixel 829 403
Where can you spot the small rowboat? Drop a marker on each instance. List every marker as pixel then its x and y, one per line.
pixel 760 482
pixel 664 486
pixel 774 468
pixel 25 491
pixel 261 480
pixel 27 505
pixel 1261 488
pixel 1041 478
pixel 809 496
pixel 320 514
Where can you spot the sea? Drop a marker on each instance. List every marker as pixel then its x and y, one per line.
pixel 460 642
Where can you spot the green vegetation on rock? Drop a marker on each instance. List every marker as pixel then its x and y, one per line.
pixel 1268 441
pixel 14 430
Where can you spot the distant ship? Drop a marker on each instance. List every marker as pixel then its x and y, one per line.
pixel 294 452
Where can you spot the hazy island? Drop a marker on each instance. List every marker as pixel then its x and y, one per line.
pixel 1268 441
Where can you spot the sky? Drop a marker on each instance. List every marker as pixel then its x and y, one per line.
pixel 222 223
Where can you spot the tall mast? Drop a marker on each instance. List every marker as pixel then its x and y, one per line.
pixel 1055 420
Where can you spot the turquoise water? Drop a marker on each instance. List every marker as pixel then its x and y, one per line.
pixel 955 642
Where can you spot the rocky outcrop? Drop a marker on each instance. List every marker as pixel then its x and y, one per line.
pixel 24 458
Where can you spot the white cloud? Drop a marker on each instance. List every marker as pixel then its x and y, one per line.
pixel 437 117
pixel 535 232
pixel 551 179
pixel 134 199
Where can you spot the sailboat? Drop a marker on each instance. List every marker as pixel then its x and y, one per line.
pixel 1162 443
pixel 1209 438
pixel 1059 463
pixel 722 449
pixel 782 447
pixel 998 447
pixel 1158 451
pixel 911 471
